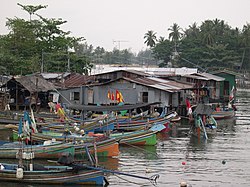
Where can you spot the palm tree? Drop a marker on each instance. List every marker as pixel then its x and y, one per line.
pixel 150 38
pixel 175 34
pixel 161 39
pixel 207 31
pixel 192 31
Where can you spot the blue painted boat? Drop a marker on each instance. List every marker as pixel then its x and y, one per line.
pixel 51 175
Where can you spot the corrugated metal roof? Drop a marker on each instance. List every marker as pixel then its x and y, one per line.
pixel 213 77
pixel 196 77
pixel 157 83
pixel 205 76
pixel 77 80
pixel 171 84
pixel 135 71
pixel 35 83
pixel 54 75
pixel 152 70
pixel 161 84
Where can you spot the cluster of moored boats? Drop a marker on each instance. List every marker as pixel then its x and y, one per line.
pixel 204 119
pixel 52 138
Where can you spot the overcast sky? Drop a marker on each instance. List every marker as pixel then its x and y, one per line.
pixel 101 22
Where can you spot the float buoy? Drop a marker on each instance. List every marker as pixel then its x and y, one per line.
pixel 183 184
pixel 19 173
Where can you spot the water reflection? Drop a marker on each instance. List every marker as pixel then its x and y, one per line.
pixel 142 152
pixel 222 160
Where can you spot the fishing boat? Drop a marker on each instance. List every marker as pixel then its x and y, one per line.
pixel 101 123
pixel 93 126
pixel 132 125
pixel 47 150
pixel 222 111
pixel 51 175
pixel 223 114
pixel 139 137
pixel 105 146
pixel 28 172
pixel 203 123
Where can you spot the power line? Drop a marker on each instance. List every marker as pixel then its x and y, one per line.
pixel 195 65
pixel 119 42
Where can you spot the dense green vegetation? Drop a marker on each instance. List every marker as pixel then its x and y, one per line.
pixel 40 45
pixel 212 45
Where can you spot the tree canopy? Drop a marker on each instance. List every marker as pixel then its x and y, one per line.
pixel 210 46
pixel 39 44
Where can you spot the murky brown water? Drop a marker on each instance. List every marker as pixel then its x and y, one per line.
pixel 222 160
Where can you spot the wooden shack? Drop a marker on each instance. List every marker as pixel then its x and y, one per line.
pixel 24 89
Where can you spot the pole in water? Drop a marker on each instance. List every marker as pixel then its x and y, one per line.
pixel 96 158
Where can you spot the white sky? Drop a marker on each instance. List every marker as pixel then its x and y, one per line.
pixel 101 22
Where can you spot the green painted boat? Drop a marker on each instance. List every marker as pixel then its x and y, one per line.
pixel 139 137
pixel 105 146
pixel 143 137
pixel 51 150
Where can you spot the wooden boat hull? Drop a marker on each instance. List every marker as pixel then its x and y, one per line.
pixel 132 125
pixel 40 151
pixel 106 147
pixel 53 175
pixel 203 130
pixel 199 133
pixel 136 138
pixel 144 139
pixel 140 124
pixel 223 114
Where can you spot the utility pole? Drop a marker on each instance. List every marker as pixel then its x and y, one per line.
pixel 42 64
pixel 68 69
pixel 119 42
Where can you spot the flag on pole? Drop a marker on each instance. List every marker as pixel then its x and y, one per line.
pixel 188 105
pixel 121 100
pixel 117 95
pixel 26 126
pixel 112 96
pixel 231 96
pixel 109 95
pixel 33 122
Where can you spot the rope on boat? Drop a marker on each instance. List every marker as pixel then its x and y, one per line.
pixel 129 181
pixel 153 178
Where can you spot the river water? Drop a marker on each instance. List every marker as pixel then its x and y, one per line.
pixel 222 160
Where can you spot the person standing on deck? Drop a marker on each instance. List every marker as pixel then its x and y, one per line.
pixel 189 109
